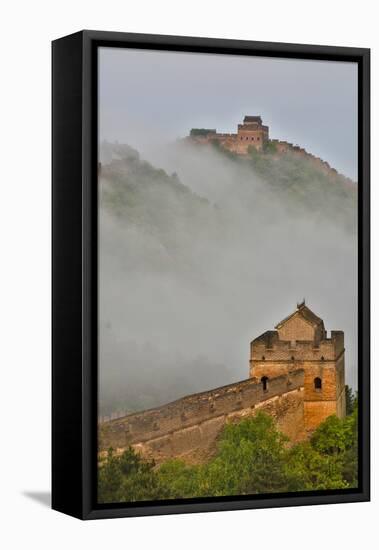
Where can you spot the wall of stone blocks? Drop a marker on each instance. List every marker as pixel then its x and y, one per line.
pixel 189 426
pixel 316 412
pixel 281 350
pixel 198 443
pixel 296 329
pixel 325 361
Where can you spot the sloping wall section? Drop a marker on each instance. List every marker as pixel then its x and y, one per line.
pixel 188 428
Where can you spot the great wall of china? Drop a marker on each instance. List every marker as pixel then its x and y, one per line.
pixel 188 428
pixel 253 134
pixel 297 375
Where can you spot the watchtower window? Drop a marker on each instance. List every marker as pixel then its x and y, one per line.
pixel 264 381
pixel 318 383
pixel 263 358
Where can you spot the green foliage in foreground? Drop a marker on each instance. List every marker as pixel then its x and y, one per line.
pixel 351 399
pixel 252 457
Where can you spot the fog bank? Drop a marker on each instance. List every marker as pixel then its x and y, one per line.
pixel 185 283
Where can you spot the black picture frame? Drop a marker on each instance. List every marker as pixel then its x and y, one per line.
pixel 74 272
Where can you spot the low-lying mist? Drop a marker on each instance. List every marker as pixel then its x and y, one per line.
pixel 199 254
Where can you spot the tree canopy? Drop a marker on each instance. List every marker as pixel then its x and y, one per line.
pixel 253 457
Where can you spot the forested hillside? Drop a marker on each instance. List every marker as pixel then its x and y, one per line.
pixel 189 260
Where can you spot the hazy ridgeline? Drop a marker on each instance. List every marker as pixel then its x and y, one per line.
pixel 201 252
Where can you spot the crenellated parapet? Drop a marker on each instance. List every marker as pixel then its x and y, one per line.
pixel 301 341
pixel 252 133
pixel 270 347
pixel 297 376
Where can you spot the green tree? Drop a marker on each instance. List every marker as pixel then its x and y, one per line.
pixel 351 399
pixel 269 147
pixel 109 479
pixel 329 460
pixel 178 480
pixel 250 459
pixel 127 478
pixel 332 437
pixel 253 457
pixel 308 469
pixel 350 458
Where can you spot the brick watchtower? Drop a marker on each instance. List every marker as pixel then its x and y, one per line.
pixel 300 342
pixel 252 133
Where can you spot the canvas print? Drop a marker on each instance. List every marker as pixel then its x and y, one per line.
pixel 228 275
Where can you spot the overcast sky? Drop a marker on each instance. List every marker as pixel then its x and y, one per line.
pixel 147 98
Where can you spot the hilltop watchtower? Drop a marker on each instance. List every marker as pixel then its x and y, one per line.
pixel 252 133
pixel 300 342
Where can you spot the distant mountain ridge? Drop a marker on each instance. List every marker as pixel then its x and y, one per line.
pixel 305 183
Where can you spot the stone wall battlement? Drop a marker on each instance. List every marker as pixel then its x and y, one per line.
pixel 297 376
pixel 194 410
pixel 270 347
pixel 255 134
pixel 252 133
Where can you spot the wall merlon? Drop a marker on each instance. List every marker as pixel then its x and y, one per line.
pixel 270 347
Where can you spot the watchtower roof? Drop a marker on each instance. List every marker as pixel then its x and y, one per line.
pixel 305 313
pixel 249 118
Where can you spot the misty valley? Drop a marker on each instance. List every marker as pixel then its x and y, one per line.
pixel 201 250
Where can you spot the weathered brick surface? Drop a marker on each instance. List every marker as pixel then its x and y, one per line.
pixel 256 136
pixel 297 328
pixel 248 135
pixel 300 343
pixel 316 412
pixel 271 348
pixel 189 427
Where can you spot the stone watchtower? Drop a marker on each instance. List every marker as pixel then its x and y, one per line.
pixel 252 133
pixel 300 342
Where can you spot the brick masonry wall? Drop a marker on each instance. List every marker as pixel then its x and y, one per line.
pixel 329 349
pixel 188 428
pixel 326 371
pixel 233 143
pixel 324 361
pixel 249 135
pixel 316 412
pixel 296 329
